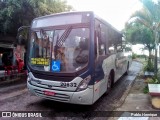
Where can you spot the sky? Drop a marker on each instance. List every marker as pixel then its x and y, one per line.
pixel 116 12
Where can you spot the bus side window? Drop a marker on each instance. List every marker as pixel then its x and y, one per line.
pixel 101 41
pixel 119 48
pixel 102 49
pixel 100 38
pixel 102 45
pixel 111 48
pixel 99 45
pixel 35 42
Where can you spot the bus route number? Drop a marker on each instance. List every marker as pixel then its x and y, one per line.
pixel 66 84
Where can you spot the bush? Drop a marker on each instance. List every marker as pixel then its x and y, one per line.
pixel 154 80
pixel 149 67
pixel 134 56
pixel 141 56
pixel 146 89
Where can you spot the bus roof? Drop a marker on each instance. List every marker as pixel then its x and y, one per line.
pixel 63 13
pixel 76 12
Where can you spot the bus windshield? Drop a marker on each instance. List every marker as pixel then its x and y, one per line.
pixel 59 50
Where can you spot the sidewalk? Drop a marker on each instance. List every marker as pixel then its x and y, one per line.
pixel 136 101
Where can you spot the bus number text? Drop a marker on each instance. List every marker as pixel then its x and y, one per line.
pixel 66 84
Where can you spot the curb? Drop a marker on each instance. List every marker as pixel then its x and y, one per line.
pixel 124 96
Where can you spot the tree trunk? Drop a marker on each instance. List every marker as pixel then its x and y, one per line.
pixel 149 53
pixel 155 61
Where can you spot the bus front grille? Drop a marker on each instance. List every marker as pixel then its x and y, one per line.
pixel 56 97
pixel 52 77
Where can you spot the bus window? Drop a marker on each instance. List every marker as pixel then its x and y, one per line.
pixel 102 41
pixel 34 45
pixel 100 38
pixel 68 46
pixel 119 48
pixel 111 49
pixel 99 46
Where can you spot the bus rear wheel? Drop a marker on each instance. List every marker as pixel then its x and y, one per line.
pixel 127 70
pixel 109 84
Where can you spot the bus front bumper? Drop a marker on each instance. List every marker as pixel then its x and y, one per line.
pixel 84 97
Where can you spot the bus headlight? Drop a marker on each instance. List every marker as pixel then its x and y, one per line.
pixel 84 84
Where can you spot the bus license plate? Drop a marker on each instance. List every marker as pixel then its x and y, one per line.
pixel 49 93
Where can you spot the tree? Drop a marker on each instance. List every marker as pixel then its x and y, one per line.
pixel 16 13
pixel 149 17
pixel 136 33
pixel 44 7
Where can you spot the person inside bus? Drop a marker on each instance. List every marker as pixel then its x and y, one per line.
pixel 34 38
pixel 45 45
pixel 82 57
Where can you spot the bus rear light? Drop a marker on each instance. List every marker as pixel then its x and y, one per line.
pixel 84 84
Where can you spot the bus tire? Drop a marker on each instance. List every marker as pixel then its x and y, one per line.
pixel 109 83
pixel 127 70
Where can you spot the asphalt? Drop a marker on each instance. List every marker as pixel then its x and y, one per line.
pixel 9 80
pixel 12 85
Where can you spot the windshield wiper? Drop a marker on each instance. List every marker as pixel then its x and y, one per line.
pixel 61 40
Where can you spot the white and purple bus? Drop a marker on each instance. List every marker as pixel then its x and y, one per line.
pixel 74 57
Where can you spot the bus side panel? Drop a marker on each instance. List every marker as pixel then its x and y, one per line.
pixel 117 62
pixel 120 64
pixel 100 86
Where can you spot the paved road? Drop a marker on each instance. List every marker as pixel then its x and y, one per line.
pixel 24 101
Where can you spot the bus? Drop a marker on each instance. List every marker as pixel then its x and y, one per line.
pixel 74 57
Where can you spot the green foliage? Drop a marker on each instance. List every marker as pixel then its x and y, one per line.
pixel 45 7
pixel 136 33
pixel 149 66
pixel 153 10
pixel 154 80
pixel 146 89
pixel 149 17
pixel 134 56
pixel 142 56
pixel 16 13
